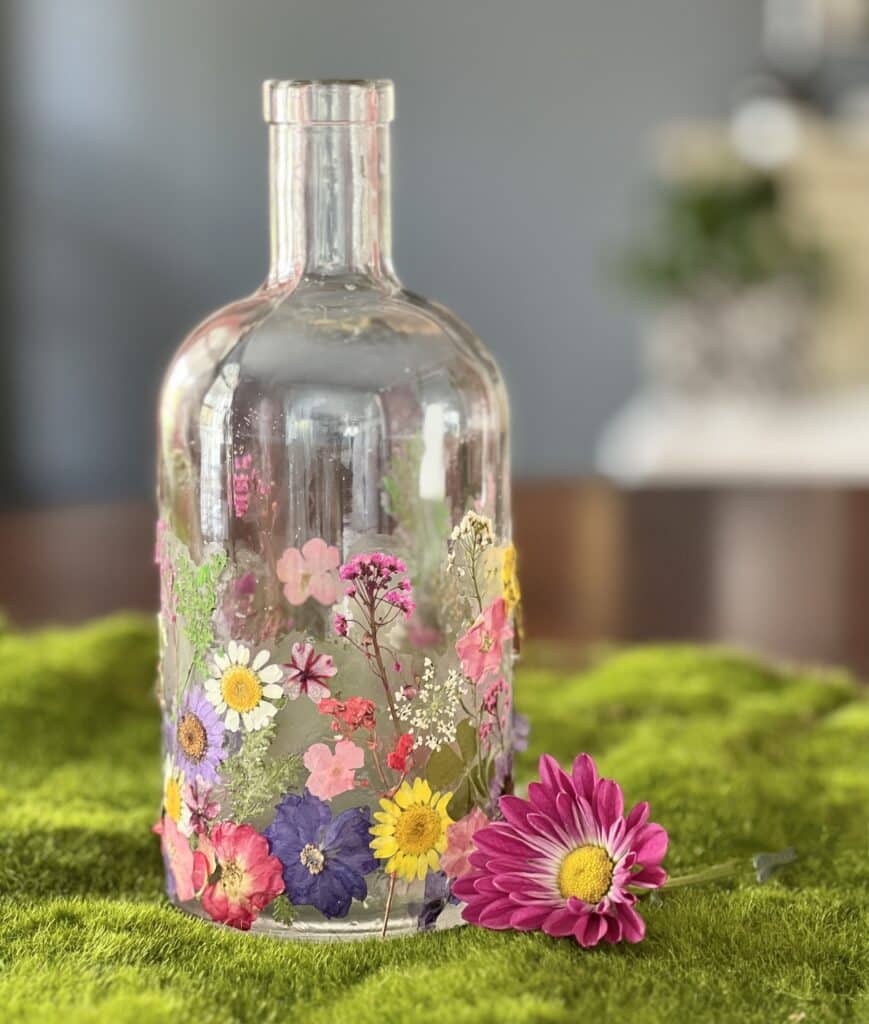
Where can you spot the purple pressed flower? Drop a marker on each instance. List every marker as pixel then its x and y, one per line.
pixel 199 737
pixel 324 859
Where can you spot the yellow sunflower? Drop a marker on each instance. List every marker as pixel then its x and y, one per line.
pixel 411 833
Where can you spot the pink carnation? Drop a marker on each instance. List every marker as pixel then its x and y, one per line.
pixel 332 774
pixel 307 673
pixel 566 860
pixel 481 648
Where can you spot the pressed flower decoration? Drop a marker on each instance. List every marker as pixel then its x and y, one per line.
pixel 410 834
pixel 244 691
pixel 336 731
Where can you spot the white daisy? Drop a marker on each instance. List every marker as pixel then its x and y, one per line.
pixel 242 690
pixel 173 802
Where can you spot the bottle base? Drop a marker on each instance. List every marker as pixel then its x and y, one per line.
pixel 399 926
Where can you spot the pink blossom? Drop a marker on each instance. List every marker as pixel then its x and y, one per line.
pixel 481 648
pixel 307 673
pixel 311 572
pixel 332 774
pixel 460 843
pixel 178 855
pixel 567 861
pixel 341 624
pixel 248 877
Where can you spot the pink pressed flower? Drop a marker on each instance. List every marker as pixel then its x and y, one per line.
pixel 565 859
pixel 480 649
pixel 332 774
pixel 460 843
pixel 178 855
pixel 311 572
pixel 307 673
pixel 238 874
pixel 341 625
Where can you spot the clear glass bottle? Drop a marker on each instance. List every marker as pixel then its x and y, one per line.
pixel 338 584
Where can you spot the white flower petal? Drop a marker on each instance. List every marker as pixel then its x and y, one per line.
pixel 232 651
pixel 271 674
pixel 243 654
pixel 232 721
pixel 222 662
pixel 273 691
pixel 268 711
pixel 260 660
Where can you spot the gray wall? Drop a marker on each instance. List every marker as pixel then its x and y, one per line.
pixel 135 193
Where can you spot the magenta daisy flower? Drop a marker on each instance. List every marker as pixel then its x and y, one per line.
pixel 308 673
pixel 565 860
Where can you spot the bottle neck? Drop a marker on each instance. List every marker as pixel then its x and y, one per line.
pixel 330 203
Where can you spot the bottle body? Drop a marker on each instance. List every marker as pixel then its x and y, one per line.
pixel 338 594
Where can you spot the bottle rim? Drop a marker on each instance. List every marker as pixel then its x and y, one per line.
pixel 328 101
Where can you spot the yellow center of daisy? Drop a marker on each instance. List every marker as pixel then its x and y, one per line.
pixel 192 737
pixel 241 688
pixel 172 798
pixel 232 879
pixel 586 873
pixel 418 829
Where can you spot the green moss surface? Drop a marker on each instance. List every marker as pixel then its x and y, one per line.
pixel 735 757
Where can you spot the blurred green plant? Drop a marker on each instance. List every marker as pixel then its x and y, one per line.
pixel 730 234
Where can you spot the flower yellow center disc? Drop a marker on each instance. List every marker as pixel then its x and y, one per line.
pixel 241 689
pixel 417 830
pixel 586 873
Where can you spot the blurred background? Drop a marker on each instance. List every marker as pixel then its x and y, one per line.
pixel 655 214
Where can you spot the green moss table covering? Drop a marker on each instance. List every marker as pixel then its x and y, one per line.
pixel 735 757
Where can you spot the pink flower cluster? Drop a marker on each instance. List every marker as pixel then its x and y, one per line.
pixel 373 579
pixel 245 482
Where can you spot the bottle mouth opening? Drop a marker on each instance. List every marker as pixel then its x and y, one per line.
pixel 328 101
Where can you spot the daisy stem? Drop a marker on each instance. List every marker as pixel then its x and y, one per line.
pixel 388 905
pixel 712 874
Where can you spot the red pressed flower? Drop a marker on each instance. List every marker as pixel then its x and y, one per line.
pixel 397 758
pixel 248 877
pixel 353 713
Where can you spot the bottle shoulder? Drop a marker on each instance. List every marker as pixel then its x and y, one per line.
pixel 336 334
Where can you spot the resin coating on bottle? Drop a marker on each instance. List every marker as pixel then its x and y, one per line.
pixel 338 583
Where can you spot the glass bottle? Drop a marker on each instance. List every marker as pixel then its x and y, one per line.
pixel 337 580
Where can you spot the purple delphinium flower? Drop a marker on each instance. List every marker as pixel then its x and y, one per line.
pixel 199 737
pixel 324 859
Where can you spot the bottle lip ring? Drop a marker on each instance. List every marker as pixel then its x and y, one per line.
pixel 328 101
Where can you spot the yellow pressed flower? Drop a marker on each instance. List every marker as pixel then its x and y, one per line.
pixel 509 579
pixel 411 830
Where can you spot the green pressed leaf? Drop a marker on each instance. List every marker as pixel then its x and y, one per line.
pixel 466 736
pixel 195 591
pixel 444 768
pixel 253 781
pixel 282 910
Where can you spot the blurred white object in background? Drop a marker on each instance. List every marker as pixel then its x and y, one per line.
pixel 737 440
